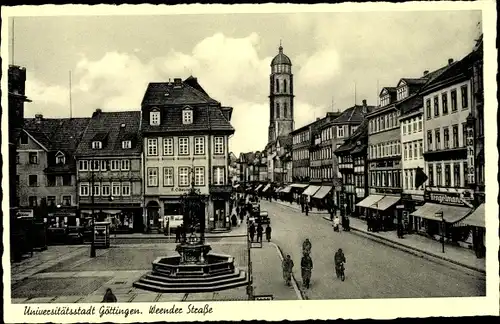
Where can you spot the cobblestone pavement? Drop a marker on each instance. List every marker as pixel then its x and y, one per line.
pixel 373 270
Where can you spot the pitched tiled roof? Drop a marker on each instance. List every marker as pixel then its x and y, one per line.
pixel 353 114
pixel 351 142
pixel 166 93
pixel 411 104
pixel 107 127
pixel 57 134
pixel 452 71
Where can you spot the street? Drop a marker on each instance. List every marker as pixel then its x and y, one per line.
pixel 373 270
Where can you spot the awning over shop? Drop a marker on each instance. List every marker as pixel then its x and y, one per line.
pixel 286 189
pixel 298 185
pixel 258 187
pixel 322 192
pixel 236 186
pixel 369 201
pixel 266 187
pixel 98 210
pixel 451 214
pixel 311 190
pixel 386 202
pixel 476 218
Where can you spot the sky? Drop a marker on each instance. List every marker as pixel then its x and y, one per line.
pixel 113 58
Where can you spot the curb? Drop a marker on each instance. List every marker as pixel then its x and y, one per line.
pixel 310 212
pixel 170 237
pixel 295 283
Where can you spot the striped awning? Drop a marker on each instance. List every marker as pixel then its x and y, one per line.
pixel 322 192
pixel 266 187
pixel 311 190
pixel 476 218
pixel 286 189
pixel 258 187
pixel 369 201
pixel 386 202
pixel 299 185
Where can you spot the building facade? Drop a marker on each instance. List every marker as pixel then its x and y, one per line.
pixel 46 168
pixel 109 172
pixel 185 136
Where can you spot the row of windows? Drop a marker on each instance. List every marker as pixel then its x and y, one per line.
pixel 322 173
pixel 282 68
pixel 358 180
pixel 409 179
pixel 104 165
pixel 301 172
pixel 412 125
pixel 285 110
pixel 385 100
pixel 453 140
pixel 300 138
pixel 187 117
pixel 185 176
pixel 443 108
pixel 51 201
pixel 183 146
pixel 97 145
pixel 386 149
pixel 402 93
pixel 105 189
pixel 386 178
pixel 453 174
pixel 322 154
pixel 345 159
pixel 300 154
pixel 413 150
pixel 32 158
pixel 384 122
pixel 278 88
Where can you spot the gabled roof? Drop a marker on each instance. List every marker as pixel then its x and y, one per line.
pixel 350 143
pixel 112 128
pixel 352 115
pixel 166 93
pixel 447 74
pixel 388 89
pixel 57 134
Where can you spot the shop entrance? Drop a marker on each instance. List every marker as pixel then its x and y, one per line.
pixel 153 215
pixel 219 213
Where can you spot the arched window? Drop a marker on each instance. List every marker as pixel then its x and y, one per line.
pixel 277 110
pixel 277 85
pixel 284 86
pixel 285 108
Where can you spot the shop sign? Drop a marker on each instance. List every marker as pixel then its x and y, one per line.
pixel 449 198
pixel 470 155
pixel 263 297
pixel 184 189
pixel 25 213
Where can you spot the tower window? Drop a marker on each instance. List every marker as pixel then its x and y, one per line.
pixel 277 85
pixel 284 87
pixel 285 108
pixel 277 110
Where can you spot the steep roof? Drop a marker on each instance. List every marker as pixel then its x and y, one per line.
pixel 350 143
pixel 57 134
pixel 454 71
pixel 168 93
pixel 353 115
pixel 112 128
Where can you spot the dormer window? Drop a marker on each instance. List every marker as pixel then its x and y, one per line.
pixel 402 92
pixel 97 145
pixel 385 100
pixel 154 118
pixel 187 116
pixel 60 158
pixel 126 144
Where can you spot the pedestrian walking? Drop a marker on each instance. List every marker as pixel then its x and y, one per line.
pixel 109 297
pixel 302 207
pixel 260 231
pixel 307 209
pixel 287 266
pixel 306 266
pixel 178 234
pixel 234 220
pixel 268 233
pixel 336 223
pixel 347 226
pixel 252 231
pixel 306 246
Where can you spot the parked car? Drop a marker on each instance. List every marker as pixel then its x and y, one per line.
pixel 263 218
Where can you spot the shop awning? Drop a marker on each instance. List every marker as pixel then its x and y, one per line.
pixel 369 201
pixel 258 187
pixel 299 185
pixel 311 190
pixel 236 186
pixel 386 202
pixel 476 218
pixel 322 192
pixel 286 189
pixel 266 187
pixel 451 214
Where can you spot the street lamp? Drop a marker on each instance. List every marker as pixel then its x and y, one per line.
pixel 443 228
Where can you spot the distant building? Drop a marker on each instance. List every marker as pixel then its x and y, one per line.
pixel 110 170
pixel 186 136
pixel 46 168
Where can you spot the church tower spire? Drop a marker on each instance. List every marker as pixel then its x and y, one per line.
pixel 281 96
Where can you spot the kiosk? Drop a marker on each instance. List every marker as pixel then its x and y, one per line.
pixel 101 235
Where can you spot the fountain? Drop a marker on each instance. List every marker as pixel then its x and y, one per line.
pixel 194 268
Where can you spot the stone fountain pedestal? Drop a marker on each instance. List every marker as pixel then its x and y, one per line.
pixel 194 269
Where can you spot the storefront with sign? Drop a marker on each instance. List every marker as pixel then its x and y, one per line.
pixel 441 211
pixel 412 202
pixel 122 218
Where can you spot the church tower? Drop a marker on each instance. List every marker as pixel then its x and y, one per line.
pixel 280 97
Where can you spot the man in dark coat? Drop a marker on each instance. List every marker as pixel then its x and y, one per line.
pixel 307 209
pixel 178 234
pixel 306 266
pixel 234 220
pixel 252 231
pixel 109 297
pixel 268 233
pixel 260 230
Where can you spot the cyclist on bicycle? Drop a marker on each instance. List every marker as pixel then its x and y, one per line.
pixel 306 247
pixel 339 261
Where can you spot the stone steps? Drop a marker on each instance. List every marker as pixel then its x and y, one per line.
pixel 227 275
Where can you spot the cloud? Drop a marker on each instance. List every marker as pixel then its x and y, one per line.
pixel 320 68
pixel 53 99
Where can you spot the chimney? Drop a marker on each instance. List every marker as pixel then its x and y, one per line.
pixel 365 107
pixel 450 61
pixel 426 72
pixel 317 118
pixel 97 112
pixel 177 83
pixel 38 118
